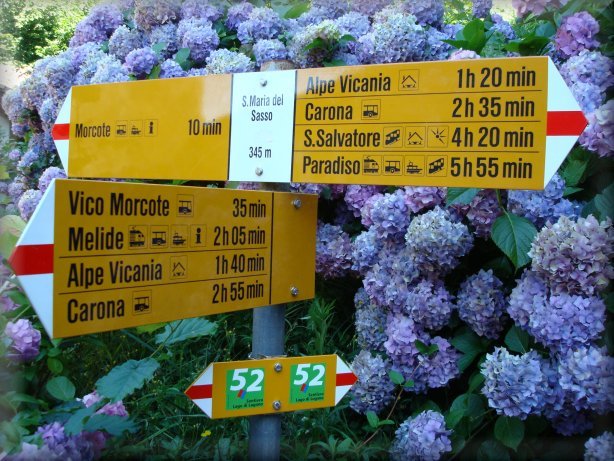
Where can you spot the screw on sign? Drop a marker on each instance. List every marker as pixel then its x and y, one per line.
pixel 268 386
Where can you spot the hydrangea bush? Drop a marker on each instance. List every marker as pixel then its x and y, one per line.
pixel 478 322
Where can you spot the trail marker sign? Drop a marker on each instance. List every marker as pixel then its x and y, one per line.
pixel 488 123
pixel 272 385
pixel 100 256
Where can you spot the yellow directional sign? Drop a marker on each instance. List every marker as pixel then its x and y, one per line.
pixel 274 385
pixel 502 123
pixel 100 256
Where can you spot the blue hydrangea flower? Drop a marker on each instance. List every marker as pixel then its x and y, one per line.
pixel 141 61
pixel 436 243
pixel 28 202
pixel 419 198
pixel 196 72
pixel 269 50
pixel 502 27
pixel 356 196
pixel 530 291
pixel 481 8
pixel 91 60
pixel 151 13
pixel 201 40
pixel 427 12
pixel 370 323
pixel 588 95
pixel 167 34
pixel 401 340
pixel 589 66
pixel 576 33
pixel 333 250
pixel 110 70
pixel 98 25
pixel 436 370
pixel 599 448
pixel 374 390
pixel 429 304
pixel 368 7
pixel 123 41
pixel 599 135
pixel 436 49
pixel 421 438
pixel 332 8
pixel 397 39
pixel 587 374
pixel 170 69
pixel 238 13
pixel 354 24
pixel 224 61
pixel 34 90
pixel 14 108
pixel 48 113
pixel 17 187
pixel 461 54
pixel 481 304
pixel 542 206
pixel 200 9
pixel 327 31
pixel 365 248
pixel 51 173
pixel 574 257
pixel 389 214
pixel 483 211
pixel 261 23
pixel 514 384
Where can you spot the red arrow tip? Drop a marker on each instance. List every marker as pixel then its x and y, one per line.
pixel 32 259
pixel 60 131
pixel 204 391
pixel 346 379
pixel 566 123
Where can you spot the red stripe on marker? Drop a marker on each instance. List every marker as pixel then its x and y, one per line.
pixel 60 131
pixel 566 123
pixel 346 379
pixel 32 259
pixel 204 391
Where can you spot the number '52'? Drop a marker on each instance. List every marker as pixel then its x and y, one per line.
pixel 303 374
pixel 239 378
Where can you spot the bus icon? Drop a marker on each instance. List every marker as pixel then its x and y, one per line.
pixel 141 302
pixel 392 166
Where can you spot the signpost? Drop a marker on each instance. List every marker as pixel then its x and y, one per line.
pixel 99 256
pixel 488 123
pixel 272 385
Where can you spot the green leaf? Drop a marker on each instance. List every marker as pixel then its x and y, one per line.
pixel 182 57
pixel 468 342
pixel 297 10
pixel 517 340
pixel 159 47
pixel 604 202
pixel 460 195
pixel 317 42
pixel 475 35
pixel 150 328
pixel 453 418
pixel 155 72
pixel 373 419
pixel 3 172
pixel 74 425
pixel 126 378
pixel 491 450
pixel 426 350
pixel 55 365
pixel 112 424
pixel 181 330
pixel 513 235
pixel 396 377
pixel 12 226
pixel 470 404
pixel 571 190
pixel 61 388
pixel 476 382
pixel 509 431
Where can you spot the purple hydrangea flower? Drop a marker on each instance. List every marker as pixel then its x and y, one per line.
pixel 481 304
pixel 167 34
pixel 483 210
pixel 110 70
pixel 389 214
pixel 397 39
pixel 28 202
pixel 356 196
pixel 201 40
pixel 170 69
pixel 599 135
pixel 503 27
pixel 196 72
pixel 332 8
pixel 599 448
pixel 524 7
pixel 326 31
pixel 111 409
pixel 429 304
pixel 427 12
pixel 588 95
pixel 576 33
pixel 34 90
pixel 123 41
pixel 587 373
pixel 543 206
pixel 421 438
pixel 17 187
pixel 261 23
pixel 269 50
pixel 574 257
pixel 98 25
pixel 436 243
pixel 25 340
pixel 51 173
pixel 370 323
pixel 6 303
pixel 435 370
pixel 151 13
pixel 48 113
pixel 92 58
pixel 374 390
pixel 224 61
pixel 354 24
pixel 200 9
pixel 14 108
pixel 333 249
pixel 141 61
pixel 588 66
pixel 401 343
pixel 419 198
pixel 461 54
pixel 368 7
pixel 238 13
pixel 514 384
pixel 481 8
pixel 436 48
pixel 365 249
pixel 530 291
